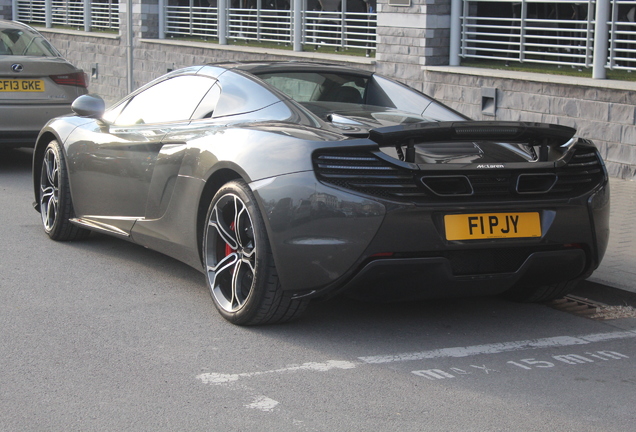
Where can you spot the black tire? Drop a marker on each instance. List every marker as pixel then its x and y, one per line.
pixel 240 268
pixel 543 293
pixel 56 206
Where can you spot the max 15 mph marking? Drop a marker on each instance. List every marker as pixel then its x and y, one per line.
pixel 457 352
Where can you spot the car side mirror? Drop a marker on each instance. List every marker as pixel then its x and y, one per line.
pixel 91 106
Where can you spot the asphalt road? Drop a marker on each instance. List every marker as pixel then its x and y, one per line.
pixel 104 335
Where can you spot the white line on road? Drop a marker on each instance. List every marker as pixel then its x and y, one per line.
pixel 496 348
pixel 217 378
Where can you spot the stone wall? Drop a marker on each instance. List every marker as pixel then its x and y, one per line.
pixel 89 51
pixel 5 9
pixel 412 36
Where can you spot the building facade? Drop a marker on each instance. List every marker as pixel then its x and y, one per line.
pixel 412 43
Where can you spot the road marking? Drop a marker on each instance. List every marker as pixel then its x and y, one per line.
pixel 496 348
pixel 263 403
pixel 217 378
pixel 527 364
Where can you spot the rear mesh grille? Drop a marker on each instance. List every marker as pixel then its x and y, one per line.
pixel 581 174
pixel 369 174
pixel 366 173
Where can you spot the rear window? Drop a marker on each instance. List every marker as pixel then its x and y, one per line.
pixel 23 43
pixel 319 87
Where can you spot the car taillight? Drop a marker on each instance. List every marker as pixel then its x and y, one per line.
pixel 77 79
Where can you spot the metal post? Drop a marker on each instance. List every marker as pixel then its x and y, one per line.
pixel 612 40
pixel 162 19
pixel 222 21
pixel 191 18
pixel 48 14
pixel 87 15
pixel 601 39
pixel 259 6
pixel 14 10
pixel 455 32
pixel 129 45
pixel 589 34
pixel 343 24
pixel 522 31
pixel 297 25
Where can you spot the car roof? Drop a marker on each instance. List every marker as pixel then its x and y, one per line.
pixel 4 24
pixel 260 67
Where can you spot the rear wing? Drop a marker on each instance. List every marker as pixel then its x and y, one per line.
pixel 543 135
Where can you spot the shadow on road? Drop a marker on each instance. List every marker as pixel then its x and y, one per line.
pixel 16 160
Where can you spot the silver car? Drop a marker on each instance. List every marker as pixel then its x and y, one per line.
pixel 36 84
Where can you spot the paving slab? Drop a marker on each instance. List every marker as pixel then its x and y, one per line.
pixel 618 268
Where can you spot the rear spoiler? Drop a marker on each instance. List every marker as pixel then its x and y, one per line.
pixel 534 134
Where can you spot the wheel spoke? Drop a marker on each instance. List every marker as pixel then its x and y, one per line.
pixel 46 193
pixel 51 211
pixel 239 210
pixel 222 277
pixel 52 172
pixel 223 229
pixel 236 302
pixel 224 264
pixel 248 261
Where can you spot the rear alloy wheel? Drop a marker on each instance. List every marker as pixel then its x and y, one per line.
pixel 56 206
pixel 239 264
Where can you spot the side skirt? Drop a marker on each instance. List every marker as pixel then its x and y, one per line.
pixel 100 226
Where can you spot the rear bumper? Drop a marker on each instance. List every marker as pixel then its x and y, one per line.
pixel 416 278
pixel 20 124
pixel 326 240
pixel 18 139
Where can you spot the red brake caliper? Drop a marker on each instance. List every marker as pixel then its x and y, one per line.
pixel 228 248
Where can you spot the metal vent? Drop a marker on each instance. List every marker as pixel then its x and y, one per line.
pixel 582 173
pixel 448 185
pixel 535 183
pixel 366 173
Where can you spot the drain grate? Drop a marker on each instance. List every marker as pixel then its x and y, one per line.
pixel 591 309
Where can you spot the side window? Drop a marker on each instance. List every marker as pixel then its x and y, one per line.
pixel 391 94
pixel 171 100
pixel 208 104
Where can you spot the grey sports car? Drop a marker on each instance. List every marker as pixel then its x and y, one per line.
pixel 36 84
pixel 284 182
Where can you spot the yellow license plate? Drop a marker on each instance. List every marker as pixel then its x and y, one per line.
pixel 492 225
pixel 21 85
